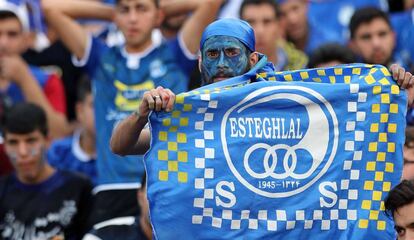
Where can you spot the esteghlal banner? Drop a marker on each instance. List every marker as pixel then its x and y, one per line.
pixel 308 154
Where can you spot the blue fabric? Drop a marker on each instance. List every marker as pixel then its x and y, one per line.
pixel 60 155
pixel 233 28
pixel 118 91
pixel 403 25
pixel 286 156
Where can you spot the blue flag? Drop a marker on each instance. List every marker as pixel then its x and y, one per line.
pixel 279 156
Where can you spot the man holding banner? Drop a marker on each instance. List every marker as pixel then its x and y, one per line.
pixel 215 150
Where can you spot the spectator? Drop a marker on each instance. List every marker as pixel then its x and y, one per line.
pixel 400 205
pixel 19 81
pixel 78 152
pixel 262 16
pixel 408 169
pixel 372 37
pixel 121 74
pixel 300 30
pixel 38 201
pixel 331 54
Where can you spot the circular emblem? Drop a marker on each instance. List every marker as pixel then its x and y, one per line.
pixel 289 136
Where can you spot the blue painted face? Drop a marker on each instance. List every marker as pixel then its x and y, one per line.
pixel 223 57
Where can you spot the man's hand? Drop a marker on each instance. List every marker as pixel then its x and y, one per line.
pixel 156 99
pixel 13 68
pixel 405 80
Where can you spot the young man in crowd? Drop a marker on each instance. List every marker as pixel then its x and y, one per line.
pixel 120 76
pixel 399 204
pixel 78 151
pixel 38 201
pixel 262 16
pixel 21 82
pixel 331 54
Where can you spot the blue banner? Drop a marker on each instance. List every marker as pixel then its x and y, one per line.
pixel 282 156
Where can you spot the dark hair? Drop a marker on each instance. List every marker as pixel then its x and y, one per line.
pixel 157 2
pixel 399 196
pixel 24 118
pixel 246 3
pixel 6 14
pixel 366 15
pixel 84 88
pixel 331 52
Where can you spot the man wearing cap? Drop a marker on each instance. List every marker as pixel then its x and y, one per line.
pixel 227 50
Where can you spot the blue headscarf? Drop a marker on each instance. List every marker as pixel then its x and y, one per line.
pixel 233 28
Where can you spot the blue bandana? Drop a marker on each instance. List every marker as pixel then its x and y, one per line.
pixel 230 27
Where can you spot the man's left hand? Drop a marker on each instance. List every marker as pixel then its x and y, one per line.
pixel 405 80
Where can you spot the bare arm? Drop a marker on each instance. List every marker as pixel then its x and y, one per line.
pixel 59 16
pixel 193 28
pixel 15 69
pixel 130 136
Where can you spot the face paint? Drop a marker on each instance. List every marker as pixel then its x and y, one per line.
pixel 223 57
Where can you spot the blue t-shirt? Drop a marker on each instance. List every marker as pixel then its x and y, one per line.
pixel 403 25
pixel 119 82
pixel 66 154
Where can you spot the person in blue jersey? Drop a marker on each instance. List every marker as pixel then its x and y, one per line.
pixel 38 201
pixel 227 50
pixel 20 81
pixel 78 151
pixel 121 74
pixel 262 15
pixel 299 29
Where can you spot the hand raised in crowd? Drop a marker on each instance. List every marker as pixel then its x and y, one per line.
pixel 13 68
pixel 156 99
pixel 405 80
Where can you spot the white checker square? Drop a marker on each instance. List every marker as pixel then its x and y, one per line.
pixel 253 224
pixel 357 155
pixel 209 193
pixel 209 173
pixel 352 106
pixel 205 97
pixel 196 219
pixel 208 135
pixel 290 225
pixel 334 214
pixel 199 202
pixel 199 183
pixel 362 97
pixel 207 212
pixel 262 215
pixel 343 204
pixel 245 214
pixel 271 225
pixel 212 104
pixel 350 126
pixel 344 184
pixel 347 165
pixel 199 143
pixel 354 174
pixel 200 163
pixel 208 117
pixel 349 146
pixel 359 136
pixel 360 116
pixel 209 153
pixel 351 214
pixel 201 110
pixel 326 225
pixel 235 224
pixel 300 215
pixel 280 215
pixel 227 214
pixel 216 222
pixel 317 215
pixel 353 194
pixel 353 88
pixel 342 224
pixel 199 125
pixel 308 224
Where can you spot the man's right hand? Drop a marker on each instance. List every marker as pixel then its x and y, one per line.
pixel 156 100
